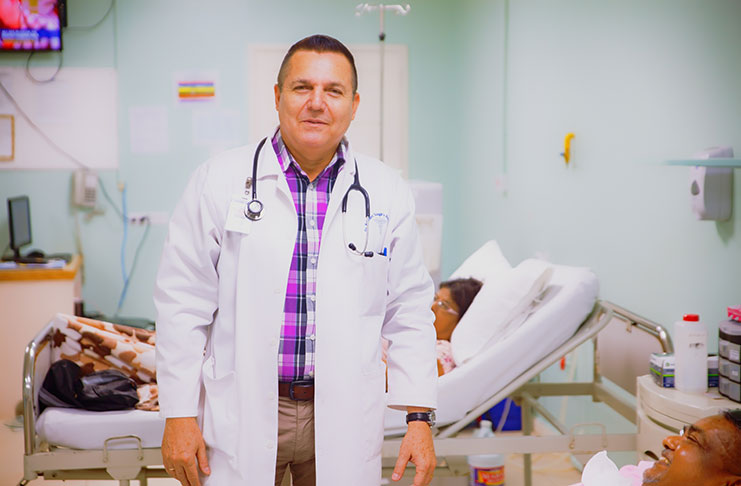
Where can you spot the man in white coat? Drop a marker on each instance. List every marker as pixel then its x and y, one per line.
pixel 277 281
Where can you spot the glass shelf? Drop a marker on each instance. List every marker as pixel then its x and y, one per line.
pixel 718 162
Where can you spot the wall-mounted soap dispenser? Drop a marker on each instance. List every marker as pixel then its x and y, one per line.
pixel 711 188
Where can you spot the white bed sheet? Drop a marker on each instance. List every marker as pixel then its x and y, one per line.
pixel 568 299
pixel 82 429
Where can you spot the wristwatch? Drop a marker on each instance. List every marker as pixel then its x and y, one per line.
pixel 428 417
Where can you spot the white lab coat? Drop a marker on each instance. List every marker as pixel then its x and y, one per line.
pixel 219 297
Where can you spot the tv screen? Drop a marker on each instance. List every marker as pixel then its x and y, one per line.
pixel 31 25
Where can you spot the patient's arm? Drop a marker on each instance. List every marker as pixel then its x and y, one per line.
pixel 440 370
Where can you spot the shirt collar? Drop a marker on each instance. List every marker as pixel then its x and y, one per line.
pixel 285 158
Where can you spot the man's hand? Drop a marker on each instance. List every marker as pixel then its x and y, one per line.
pixel 182 445
pixel 417 447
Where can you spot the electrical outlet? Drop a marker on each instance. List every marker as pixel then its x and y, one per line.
pixel 154 218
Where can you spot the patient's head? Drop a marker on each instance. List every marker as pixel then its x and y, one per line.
pixel 451 302
pixel 708 453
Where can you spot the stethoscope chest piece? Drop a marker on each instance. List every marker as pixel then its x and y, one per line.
pixel 253 210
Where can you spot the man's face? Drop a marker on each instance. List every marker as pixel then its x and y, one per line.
pixel 316 103
pixel 702 456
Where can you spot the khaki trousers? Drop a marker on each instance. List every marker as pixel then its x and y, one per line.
pixel 295 442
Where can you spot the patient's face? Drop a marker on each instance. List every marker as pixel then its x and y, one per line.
pixel 445 320
pixel 705 455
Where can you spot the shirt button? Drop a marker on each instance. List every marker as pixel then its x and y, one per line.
pixel 313 261
pixel 311 337
pixel 311 374
pixel 312 223
pixel 313 298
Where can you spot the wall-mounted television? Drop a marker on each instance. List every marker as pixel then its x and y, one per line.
pixel 31 25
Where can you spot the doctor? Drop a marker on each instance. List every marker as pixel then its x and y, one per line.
pixel 269 326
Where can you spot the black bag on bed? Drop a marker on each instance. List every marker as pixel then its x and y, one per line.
pixel 65 386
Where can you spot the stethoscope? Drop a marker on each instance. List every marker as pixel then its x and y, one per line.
pixel 253 208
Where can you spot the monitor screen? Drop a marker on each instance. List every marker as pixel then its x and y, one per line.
pixel 31 25
pixel 19 220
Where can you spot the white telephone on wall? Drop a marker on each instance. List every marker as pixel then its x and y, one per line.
pixel 85 188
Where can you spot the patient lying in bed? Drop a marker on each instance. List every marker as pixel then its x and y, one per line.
pixel 706 453
pixel 450 304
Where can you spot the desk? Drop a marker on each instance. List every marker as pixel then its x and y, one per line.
pixel 29 298
pixel 664 411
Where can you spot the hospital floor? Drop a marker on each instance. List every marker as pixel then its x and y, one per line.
pixel 548 469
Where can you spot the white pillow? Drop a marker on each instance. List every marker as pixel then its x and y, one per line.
pixel 483 263
pixel 497 308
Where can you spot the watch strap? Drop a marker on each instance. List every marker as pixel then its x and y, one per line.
pixel 419 417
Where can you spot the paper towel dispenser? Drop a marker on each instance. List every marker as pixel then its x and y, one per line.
pixel 711 188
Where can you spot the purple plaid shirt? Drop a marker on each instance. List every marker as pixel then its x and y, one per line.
pixel 311 198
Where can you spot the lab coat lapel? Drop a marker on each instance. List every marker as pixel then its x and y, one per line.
pixel 344 180
pixel 269 170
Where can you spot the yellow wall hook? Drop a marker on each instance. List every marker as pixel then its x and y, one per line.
pixel 567 147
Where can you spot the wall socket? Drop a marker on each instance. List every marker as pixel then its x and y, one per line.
pixel 154 218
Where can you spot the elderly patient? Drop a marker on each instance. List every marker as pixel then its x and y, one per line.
pixel 706 453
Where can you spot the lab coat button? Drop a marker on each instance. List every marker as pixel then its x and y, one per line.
pixel 273 343
pixel 278 290
pixel 269 444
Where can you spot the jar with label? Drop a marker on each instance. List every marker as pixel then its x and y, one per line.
pixel 486 469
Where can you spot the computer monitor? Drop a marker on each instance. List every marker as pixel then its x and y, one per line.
pixel 19 220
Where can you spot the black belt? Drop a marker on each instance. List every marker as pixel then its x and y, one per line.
pixel 299 390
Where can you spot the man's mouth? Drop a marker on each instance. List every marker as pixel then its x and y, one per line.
pixel 315 122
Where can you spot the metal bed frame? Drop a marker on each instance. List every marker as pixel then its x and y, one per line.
pixel 139 464
pixel 452 449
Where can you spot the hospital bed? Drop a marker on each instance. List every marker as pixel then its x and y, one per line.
pixel 566 313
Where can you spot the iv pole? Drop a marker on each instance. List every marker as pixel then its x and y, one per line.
pixel 399 10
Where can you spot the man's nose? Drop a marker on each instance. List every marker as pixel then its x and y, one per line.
pixel 671 442
pixel 316 99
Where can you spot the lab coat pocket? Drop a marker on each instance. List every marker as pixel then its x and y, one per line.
pixel 372 289
pixel 369 344
pixel 219 412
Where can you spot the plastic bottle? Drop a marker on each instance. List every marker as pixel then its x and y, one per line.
pixel 486 469
pixel 690 355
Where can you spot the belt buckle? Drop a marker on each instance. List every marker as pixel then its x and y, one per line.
pixel 292 384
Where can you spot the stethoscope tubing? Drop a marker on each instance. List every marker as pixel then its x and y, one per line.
pixel 253 209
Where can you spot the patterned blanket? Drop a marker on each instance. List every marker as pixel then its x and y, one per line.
pixel 98 345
